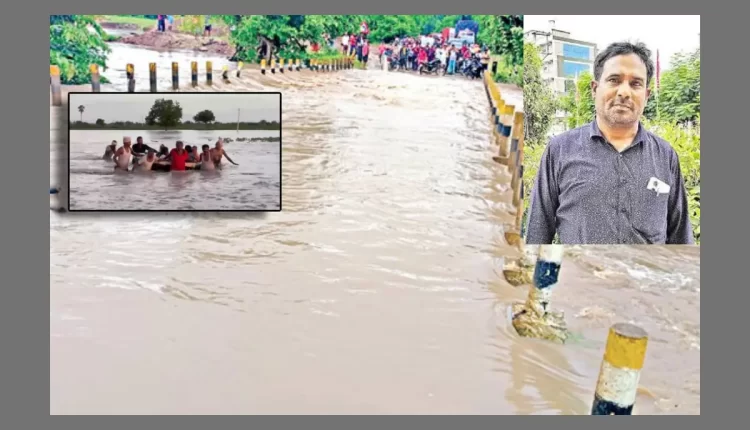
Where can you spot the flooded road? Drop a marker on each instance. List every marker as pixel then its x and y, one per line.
pixel 378 289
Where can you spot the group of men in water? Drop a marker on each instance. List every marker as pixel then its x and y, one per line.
pixel 142 157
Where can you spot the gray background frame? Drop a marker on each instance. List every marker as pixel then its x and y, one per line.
pixel 24 317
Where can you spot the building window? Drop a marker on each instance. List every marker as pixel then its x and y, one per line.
pixel 571 69
pixel 576 51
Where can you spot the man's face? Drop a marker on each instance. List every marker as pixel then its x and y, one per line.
pixel 139 141
pixel 180 145
pixel 621 93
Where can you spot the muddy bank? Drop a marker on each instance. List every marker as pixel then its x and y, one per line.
pixel 172 40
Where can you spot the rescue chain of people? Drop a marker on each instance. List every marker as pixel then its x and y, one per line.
pixel 182 157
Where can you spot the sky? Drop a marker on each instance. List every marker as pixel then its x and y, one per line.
pixel 134 106
pixel 669 34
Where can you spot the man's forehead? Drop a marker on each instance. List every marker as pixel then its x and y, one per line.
pixel 627 64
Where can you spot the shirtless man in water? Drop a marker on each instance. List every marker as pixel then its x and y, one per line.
pixel 207 161
pixel 145 162
pixel 109 151
pixel 218 152
pixel 123 155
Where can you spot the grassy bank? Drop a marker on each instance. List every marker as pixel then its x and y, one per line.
pixel 142 23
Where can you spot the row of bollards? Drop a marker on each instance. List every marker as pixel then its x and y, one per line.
pixel 625 351
pixel 508 132
pixel 288 65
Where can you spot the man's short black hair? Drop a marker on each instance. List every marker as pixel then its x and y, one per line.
pixel 206 147
pixel 624 48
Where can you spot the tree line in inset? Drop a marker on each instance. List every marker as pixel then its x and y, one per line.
pixel 167 114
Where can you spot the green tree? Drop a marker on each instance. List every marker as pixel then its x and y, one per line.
pixel 679 98
pixel 73 47
pixel 578 102
pixel 204 116
pixel 100 122
pixel 164 113
pixel 81 108
pixel 503 35
pixel 538 100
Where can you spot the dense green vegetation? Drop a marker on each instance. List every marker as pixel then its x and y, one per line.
pixel 677 119
pixel 73 47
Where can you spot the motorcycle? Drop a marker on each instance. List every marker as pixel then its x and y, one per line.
pixel 472 68
pixel 434 66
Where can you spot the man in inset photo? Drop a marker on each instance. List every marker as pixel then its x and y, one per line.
pixel 611 181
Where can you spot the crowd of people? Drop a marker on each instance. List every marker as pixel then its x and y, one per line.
pixel 413 53
pixel 142 157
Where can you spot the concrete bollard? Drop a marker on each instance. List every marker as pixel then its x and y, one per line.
pixel 281 65
pixel 273 66
pixel 225 74
pixel 96 82
pixel 617 384
pixel 290 65
pixel 534 318
pixel 296 64
pixel 506 120
pixel 152 77
pixel 240 65
pixel 130 74
pixel 175 76
pixel 262 67
pixel 194 73
pixel 55 86
pixel 209 73
pixel 516 158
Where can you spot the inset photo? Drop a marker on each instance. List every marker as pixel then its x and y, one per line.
pixel 174 152
pixel 612 151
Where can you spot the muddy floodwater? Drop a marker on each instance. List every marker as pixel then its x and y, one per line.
pixel 378 289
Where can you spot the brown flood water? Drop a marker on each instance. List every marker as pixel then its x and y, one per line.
pixel 377 290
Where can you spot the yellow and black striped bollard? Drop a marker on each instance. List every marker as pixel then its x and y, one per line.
pixel 262 67
pixel 194 73
pixel 209 73
pixel 240 64
pixel 55 86
pixel 95 79
pixel 281 65
pixel 273 66
pixel 175 76
pixel 225 74
pixel 617 385
pixel 152 77
pixel 130 73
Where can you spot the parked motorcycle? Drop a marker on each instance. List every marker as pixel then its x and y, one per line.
pixel 434 66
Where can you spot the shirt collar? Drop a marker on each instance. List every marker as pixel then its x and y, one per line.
pixel 594 131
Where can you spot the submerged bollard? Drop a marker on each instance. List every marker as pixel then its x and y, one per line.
pixel 175 76
pixel 95 79
pixel 225 74
pixel 617 384
pixel 240 64
pixel 194 73
pixel 209 73
pixel 54 75
pixel 534 318
pixel 152 77
pixel 130 73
